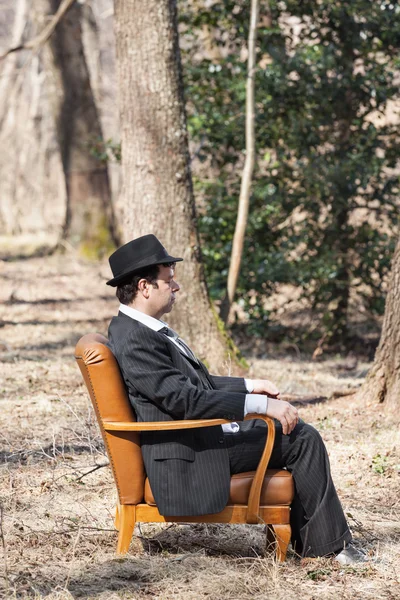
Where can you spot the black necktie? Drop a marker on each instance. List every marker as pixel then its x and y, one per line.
pixel 172 334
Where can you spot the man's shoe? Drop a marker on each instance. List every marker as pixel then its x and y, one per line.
pixel 350 555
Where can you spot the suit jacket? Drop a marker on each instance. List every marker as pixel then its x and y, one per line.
pixel 188 470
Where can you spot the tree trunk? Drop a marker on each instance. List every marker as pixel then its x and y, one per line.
pixel 383 380
pixel 89 222
pixel 32 196
pixel 340 241
pixel 157 186
pixel 245 187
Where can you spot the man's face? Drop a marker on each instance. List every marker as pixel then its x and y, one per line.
pixel 162 298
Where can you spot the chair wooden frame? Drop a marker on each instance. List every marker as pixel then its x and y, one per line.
pixel 275 516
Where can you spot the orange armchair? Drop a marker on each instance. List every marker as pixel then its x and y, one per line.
pixel 261 496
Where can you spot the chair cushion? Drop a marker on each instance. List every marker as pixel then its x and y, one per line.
pixel 277 489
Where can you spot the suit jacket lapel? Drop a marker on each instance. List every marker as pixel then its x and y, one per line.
pixel 194 363
pixel 202 372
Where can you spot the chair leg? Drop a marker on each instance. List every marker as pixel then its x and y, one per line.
pixel 116 520
pixel 282 535
pixel 126 526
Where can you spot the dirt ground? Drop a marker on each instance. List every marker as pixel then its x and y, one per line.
pixel 58 498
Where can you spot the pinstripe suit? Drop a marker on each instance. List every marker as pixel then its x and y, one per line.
pixel 189 470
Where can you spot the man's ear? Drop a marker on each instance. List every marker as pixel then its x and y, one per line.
pixel 143 287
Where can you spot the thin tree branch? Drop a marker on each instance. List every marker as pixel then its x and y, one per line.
pixel 247 176
pixel 39 41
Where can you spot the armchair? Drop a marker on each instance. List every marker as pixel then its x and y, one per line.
pixel 261 496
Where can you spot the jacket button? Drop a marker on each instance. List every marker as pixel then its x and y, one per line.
pixel 221 441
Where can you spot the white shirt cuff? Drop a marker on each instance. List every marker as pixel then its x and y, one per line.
pixel 249 385
pixel 256 403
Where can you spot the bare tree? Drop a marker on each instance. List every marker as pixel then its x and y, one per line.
pixel 157 192
pixel 74 131
pixel 383 381
pixel 32 188
pixel 89 216
pixel 245 187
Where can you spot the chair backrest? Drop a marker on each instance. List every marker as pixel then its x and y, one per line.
pixel 109 397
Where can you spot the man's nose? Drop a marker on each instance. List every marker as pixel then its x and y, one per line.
pixel 176 286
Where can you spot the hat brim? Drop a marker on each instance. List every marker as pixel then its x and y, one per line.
pixel 125 274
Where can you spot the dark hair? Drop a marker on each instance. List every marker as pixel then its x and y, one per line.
pixel 127 291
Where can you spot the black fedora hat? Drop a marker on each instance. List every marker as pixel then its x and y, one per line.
pixel 136 255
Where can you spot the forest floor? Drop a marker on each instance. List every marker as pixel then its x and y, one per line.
pixel 57 534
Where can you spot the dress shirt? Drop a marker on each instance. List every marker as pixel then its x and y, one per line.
pixel 254 403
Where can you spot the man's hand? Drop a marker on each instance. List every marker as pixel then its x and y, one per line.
pixel 264 386
pixel 284 412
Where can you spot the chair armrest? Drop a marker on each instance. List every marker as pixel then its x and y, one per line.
pixel 161 425
pixel 253 505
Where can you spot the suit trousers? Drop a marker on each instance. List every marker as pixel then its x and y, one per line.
pixel 319 527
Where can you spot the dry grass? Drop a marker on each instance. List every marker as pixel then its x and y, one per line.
pixel 57 522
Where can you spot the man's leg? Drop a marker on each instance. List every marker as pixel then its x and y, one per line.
pixel 318 523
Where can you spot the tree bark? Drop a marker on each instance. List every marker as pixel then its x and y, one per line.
pixel 32 196
pixel 383 380
pixel 245 187
pixel 157 192
pixel 89 222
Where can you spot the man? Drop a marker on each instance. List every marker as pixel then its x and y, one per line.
pixel 189 470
